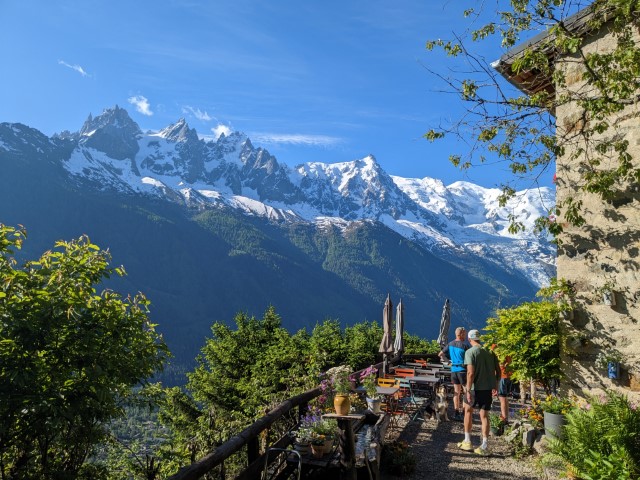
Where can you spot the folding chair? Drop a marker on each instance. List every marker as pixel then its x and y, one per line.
pixel 390 402
pixel 386 382
pixel 412 403
pixel 281 463
pixel 404 372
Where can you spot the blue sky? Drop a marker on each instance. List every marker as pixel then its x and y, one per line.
pixel 322 81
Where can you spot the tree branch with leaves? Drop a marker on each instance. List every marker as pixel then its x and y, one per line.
pixel 517 127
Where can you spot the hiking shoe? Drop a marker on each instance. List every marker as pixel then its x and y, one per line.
pixel 466 446
pixel 481 451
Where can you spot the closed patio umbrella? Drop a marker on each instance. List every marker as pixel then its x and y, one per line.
pixel 386 345
pixel 398 344
pixel 445 323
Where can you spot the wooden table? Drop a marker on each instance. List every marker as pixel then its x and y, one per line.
pixel 346 442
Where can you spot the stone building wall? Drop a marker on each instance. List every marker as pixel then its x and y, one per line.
pixel 605 249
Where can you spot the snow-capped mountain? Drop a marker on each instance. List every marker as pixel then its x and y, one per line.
pixel 208 229
pixel 112 153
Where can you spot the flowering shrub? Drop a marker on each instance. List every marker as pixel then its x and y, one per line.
pixel 340 379
pixel 315 429
pixel 369 380
pixel 533 414
pixel 559 290
pixel 556 404
pixel 496 421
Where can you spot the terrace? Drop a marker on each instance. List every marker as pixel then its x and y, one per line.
pixel 266 445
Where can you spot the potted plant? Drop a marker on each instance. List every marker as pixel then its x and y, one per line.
pixel 496 423
pixel 607 292
pixel 323 432
pixel 306 431
pixel 554 409
pixel 609 359
pixel 369 380
pixel 302 438
pixel 342 385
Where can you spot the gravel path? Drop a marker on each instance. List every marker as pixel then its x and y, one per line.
pixel 438 456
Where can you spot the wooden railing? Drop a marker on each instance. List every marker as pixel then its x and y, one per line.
pixel 250 435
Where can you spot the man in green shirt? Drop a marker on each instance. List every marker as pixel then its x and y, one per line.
pixel 483 375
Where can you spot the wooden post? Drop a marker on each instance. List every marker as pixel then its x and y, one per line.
pixel 346 443
pixel 347 448
pixel 253 450
pixel 302 410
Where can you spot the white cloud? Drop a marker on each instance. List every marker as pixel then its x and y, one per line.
pixel 77 68
pixel 296 139
pixel 141 104
pixel 220 129
pixel 196 112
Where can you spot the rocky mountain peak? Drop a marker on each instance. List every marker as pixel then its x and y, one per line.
pixel 112 132
pixel 113 118
pixel 179 132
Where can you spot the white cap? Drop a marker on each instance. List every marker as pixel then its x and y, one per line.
pixel 474 335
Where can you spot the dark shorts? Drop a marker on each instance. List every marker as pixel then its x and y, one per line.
pixel 504 388
pixel 459 378
pixel 480 399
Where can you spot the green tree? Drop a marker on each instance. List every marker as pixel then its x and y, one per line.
pixel 529 334
pixel 69 357
pixel 415 344
pixel 500 124
pixel 243 371
pixel 246 369
pixel 327 345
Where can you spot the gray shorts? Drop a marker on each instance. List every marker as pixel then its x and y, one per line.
pixel 459 378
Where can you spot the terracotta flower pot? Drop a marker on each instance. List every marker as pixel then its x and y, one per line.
pixel 317 450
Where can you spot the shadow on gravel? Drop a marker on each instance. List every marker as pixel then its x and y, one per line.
pixel 439 458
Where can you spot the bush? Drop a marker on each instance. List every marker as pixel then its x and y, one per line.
pixel 602 439
pixel 397 458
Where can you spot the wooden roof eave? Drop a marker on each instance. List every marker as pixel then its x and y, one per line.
pixel 533 81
